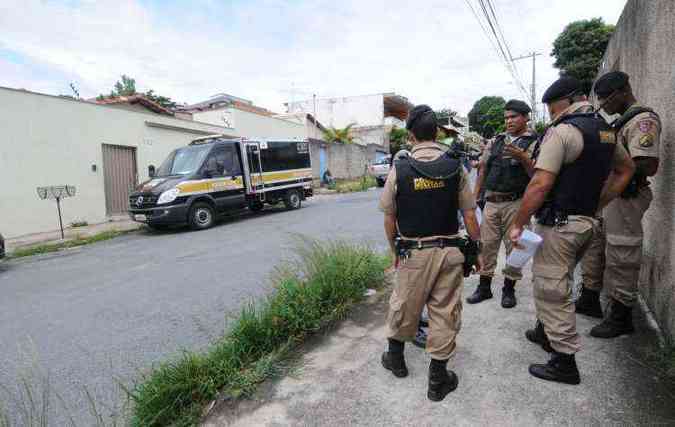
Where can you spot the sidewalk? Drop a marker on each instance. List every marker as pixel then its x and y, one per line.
pixel 340 381
pixel 122 223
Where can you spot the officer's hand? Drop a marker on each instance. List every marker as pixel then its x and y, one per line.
pixel 514 236
pixel 514 152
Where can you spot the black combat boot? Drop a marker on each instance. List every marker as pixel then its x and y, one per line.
pixel 619 321
pixel 393 359
pixel 482 292
pixel 441 381
pixel 509 293
pixel 538 336
pixel 561 368
pixel 589 303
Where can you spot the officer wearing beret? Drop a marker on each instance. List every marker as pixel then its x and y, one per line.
pixel 638 130
pixel 421 197
pixel 577 148
pixel 504 172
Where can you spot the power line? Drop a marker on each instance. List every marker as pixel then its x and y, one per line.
pixel 497 40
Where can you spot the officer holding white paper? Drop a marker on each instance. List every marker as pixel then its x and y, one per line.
pixel 577 148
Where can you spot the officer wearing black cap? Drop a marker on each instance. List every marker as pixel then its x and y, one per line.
pixel 420 201
pixel 504 172
pixel 638 130
pixel 571 182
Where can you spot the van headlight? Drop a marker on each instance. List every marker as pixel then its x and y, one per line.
pixel 168 196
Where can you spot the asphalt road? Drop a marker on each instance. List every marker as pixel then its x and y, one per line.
pixel 104 313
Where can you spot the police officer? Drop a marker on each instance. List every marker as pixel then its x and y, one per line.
pixel 577 148
pixel 638 130
pixel 504 172
pixel 420 201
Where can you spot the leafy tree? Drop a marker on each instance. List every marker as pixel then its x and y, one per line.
pixel 344 135
pixel 398 140
pixel 578 50
pixel 540 127
pixel 164 101
pixel 445 114
pixel 126 86
pixel 487 116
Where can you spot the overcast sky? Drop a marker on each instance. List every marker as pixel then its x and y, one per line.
pixel 273 51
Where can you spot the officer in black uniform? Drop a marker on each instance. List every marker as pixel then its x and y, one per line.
pixel 420 201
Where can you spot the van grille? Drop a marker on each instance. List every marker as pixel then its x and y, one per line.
pixel 147 201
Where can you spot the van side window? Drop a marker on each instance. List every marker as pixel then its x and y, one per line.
pixel 232 167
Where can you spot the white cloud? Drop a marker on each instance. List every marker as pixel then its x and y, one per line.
pixel 433 52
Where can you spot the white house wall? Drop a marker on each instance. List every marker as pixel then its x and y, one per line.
pixel 48 140
pixel 251 125
pixel 366 110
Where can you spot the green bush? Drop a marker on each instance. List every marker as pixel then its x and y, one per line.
pixel 360 184
pixel 319 287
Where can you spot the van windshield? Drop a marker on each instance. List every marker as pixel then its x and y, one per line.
pixel 184 161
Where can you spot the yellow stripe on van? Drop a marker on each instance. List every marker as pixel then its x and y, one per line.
pixel 282 176
pixel 209 185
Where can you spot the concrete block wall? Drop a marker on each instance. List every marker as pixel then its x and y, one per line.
pixel 644 47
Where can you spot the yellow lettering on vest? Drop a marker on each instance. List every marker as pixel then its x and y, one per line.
pixel 607 137
pixel 421 184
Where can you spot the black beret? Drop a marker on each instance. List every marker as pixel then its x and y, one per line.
pixel 564 87
pixel 610 82
pixel 417 113
pixel 518 106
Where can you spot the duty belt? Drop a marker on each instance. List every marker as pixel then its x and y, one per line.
pixel 426 244
pixel 501 198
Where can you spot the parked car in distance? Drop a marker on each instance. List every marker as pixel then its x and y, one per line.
pixel 2 246
pixel 379 170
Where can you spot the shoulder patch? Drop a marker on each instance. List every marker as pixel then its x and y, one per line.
pixel 645 125
pixel 607 137
pixel 646 140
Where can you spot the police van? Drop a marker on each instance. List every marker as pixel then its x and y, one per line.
pixel 214 175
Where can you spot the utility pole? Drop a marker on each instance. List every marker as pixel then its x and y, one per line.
pixel 533 92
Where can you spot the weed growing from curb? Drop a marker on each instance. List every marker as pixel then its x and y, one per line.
pixel 324 282
pixel 77 241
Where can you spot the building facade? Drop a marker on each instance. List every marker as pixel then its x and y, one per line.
pixel 103 150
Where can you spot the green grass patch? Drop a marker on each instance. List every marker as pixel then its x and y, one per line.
pixel 662 360
pixel 319 287
pixel 77 241
pixel 352 185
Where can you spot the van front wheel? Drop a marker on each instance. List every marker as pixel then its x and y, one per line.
pixel 201 216
pixel 292 200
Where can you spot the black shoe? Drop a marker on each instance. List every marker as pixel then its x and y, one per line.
pixel 509 294
pixel 395 363
pixel 420 339
pixel 538 336
pixel 482 292
pixel 589 303
pixel 560 368
pixel 619 321
pixel 441 381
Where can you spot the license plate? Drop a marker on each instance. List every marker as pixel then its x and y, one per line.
pixel 140 217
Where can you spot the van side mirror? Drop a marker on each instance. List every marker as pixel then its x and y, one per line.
pixel 151 171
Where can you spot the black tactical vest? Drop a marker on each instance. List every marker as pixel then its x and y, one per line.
pixel 507 175
pixel 579 184
pixel 427 196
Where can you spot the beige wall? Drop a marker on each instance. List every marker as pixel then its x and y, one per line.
pixel 47 140
pixel 644 47
pixel 251 125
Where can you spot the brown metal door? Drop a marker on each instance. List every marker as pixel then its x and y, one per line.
pixel 119 175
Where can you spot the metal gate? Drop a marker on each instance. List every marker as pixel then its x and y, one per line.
pixel 119 175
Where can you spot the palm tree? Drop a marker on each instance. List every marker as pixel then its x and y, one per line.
pixel 343 135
